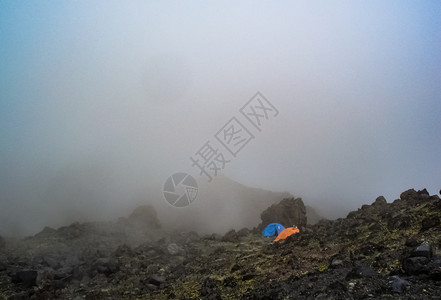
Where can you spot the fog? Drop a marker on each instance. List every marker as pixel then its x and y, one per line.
pixel 101 102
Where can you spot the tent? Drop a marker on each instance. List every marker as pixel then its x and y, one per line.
pixel 286 233
pixel 272 228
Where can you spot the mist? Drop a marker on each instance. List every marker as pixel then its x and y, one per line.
pixel 101 102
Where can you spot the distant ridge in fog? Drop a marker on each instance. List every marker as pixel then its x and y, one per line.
pixel 222 205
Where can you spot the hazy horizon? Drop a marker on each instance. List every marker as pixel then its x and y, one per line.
pixel 101 101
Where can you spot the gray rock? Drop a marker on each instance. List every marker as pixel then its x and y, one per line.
pixel 155 279
pixel 423 250
pixel 398 285
pixel 416 265
pixel 336 263
pixel 174 249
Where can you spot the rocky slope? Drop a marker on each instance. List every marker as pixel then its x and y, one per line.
pixel 383 250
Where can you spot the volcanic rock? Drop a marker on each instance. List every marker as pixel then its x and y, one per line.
pixel 143 216
pixel 105 266
pixel 423 250
pixel 288 212
pixel 26 277
pixel 231 236
pixel 416 265
pixel 398 285
pixel 175 249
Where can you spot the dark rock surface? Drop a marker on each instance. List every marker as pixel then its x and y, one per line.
pixel 379 251
pixel 231 236
pixel 288 212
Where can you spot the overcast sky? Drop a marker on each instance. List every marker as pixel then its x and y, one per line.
pixel 101 101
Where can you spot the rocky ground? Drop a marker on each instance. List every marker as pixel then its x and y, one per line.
pixel 383 250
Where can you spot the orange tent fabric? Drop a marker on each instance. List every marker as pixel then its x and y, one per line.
pixel 286 233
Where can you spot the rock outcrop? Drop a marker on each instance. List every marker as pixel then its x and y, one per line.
pixel 288 212
pixel 383 250
pixel 142 216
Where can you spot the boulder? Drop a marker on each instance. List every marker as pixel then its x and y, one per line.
pixel 231 236
pixel 288 212
pixel 423 250
pixel 144 216
pixel 155 280
pixel 398 285
pixel 175 249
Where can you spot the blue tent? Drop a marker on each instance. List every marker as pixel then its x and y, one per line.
pixel 272 228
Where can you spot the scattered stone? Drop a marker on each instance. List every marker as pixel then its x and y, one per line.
pixel 423 250
pixel 398 285
pixel 175 249
pixel 155 280
pixel 336 263
pixel 347 258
